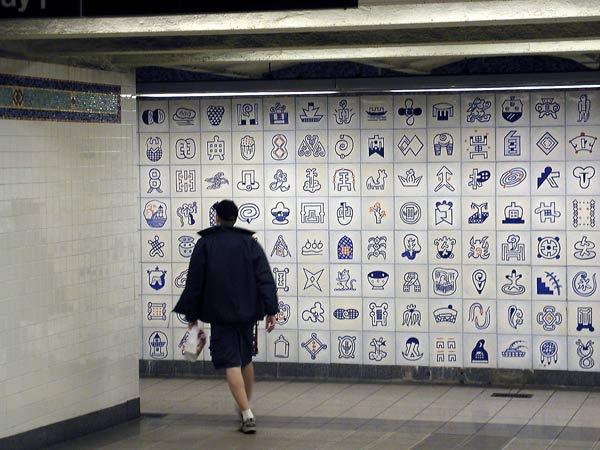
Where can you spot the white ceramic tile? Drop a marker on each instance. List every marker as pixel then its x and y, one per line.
pixel 376 146
pixel 215 114
pixel 513 282
pixel 312 213
pixel 247 147
pixel 156 246
pixel 548 143
pixel 444 212
pixel 479 282
pixel 513 144
pixel 582 108
pixel 410 145
pixel 411 247
pixel 344 112
pixel 377 112
pixel 549 318
pixel 345 213
pixel 444 110
pixel 581 178
pixel 512 179
pixel 154 149
pixel 445 350
pixel 550 352
pixel 512 109
pixel 156 310
pixel 514 352
pixel 412 282
pixel 279 113
pixel 547 108
pixel 216 182
pixel 311 113
pixel 378 247
pixel 246 114
pixel 479 316
pixel 513 248
pixel 153 115
pixel 155 182
pixel 478 110
pixel 279 147
pixel 412 349
pixel 582 282
pixel 344 146
pixel 282 345
pixel 185 181
pixel 313 314
pixel 582 354
pixel 312 179
pixel 410 180
pixel 185 148
pixel 311 146
pixel 378 280
pixel 184 115
pixel 513 213
pixel 479 214
pixel 412 315
pixel 548 178
pixel 281 247
pixel 280 180
pixel 313 280
pixel 478 144
pixel 346 313
pixel 549 283
pixel 216 148
pixel 446 316
pixel 378 314
pixel 347 347
pixel 287 318
pixel 582 318
pixel 345 280
pixel 378 213
pixel 583 212
pixel 445 247
pixel 157 344
pixel 443 144
pixel 379 348
pixel 582 248
pixel 314 346
pixel 514 317
pixel 480 350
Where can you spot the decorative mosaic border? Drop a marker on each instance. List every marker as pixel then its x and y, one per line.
pixel 28 98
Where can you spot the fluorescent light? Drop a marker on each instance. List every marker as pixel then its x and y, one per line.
pixel 235 94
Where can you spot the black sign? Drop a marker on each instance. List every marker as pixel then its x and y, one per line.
pixel 97 8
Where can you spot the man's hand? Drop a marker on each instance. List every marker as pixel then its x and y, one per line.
pixel 270 323
pixel 191 324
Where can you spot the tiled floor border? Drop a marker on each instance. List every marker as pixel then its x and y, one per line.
pixel 356 372
pixel 72 428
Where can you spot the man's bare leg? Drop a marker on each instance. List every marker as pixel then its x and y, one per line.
pixel 235 380
pixel 248 375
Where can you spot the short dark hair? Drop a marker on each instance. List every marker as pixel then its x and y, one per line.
pixel 227 211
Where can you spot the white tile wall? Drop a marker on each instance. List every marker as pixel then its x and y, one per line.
pixel 69 318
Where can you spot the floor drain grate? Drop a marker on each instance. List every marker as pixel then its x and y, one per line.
pixel 505 395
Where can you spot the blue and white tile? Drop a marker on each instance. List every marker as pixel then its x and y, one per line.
pixel 287 317
pixel 344 112
pixel 279 113
pixel 514 248
pixel 314 346
pixel 582 248
pixel 378 179
pixel 547 108
pixel 410 146
pixel 157 278
pixel 378 213
pixel 512 109
pixel 217 182
pixel 412 213
pixel 312 246
pixel 345 280
pixel 478 144
pixel 344 146
pixel 279 147
pixel 412 315
pixel 550 213
pixel 513 144
pixel 582 107
pixel 479 247
pixel 157 344
pixel 246 114
pixel 312 213
pixel 480 350
pixel 280 180
pixel 345 213
pixel 183 246
pixel 410 111
pixel 247 147
pixel 312 179
pixel 281 247
pixel 583 354
pixel 286 278
pixel 154 149
pixel 445 315
pixel 514 352
pixel 549 318
pixel 215 114
pixel 153 116
pixel 549 352
pixel 479 213
pixel 376 146
pixel 478 109
pixel 186 148
pixel 313 280
pixel 582 319
pixel 378 314
pixel 444 213
pixel 514 317
pixel 446 350
pixel 478 179
pixel 549 248
pixel 411 247
pixel 443 145
pixel 156 310
pixel 582 283
pixel 412 281
pixel 582 212
pixel 311 113
pixel 346 313
pixel 444 179
pixel 412 349
pixel 216 148
pixel 410 180
pixel 548 178
pixel 344 180
pixel 548 143
pixel 378 280
pixel 179 272
pixel 313 314
pixel 445 247
pixel 255 214
pixel 185 181
pixel 248 181
pixel 282 345
pixel 279 213
pixel 513 213
pixel 479 316
pixel 178 319
pixel 445 281
pixel 184 115
pixel 156 246
pixel 378 246
pixel 514 282
pixel 479 282
pixel 347 347
pixel 379 348
pixel 582 178
pixel 512 179
pixel 444 110
pixel 377 112
pixel 549 283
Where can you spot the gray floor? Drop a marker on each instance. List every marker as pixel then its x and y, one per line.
pixel 183 414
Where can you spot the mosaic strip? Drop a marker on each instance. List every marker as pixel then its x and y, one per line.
pixel 29 98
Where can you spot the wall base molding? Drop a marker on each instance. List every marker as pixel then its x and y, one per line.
pixel 72 428
pixel 386 374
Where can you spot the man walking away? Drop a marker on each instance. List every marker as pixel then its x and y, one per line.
pixel 230 285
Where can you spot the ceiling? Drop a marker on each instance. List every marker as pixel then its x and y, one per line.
pixel 411 37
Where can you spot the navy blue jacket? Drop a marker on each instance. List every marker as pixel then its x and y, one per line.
pixel 229 279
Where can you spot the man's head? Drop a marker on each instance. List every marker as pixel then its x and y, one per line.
pixel 226 212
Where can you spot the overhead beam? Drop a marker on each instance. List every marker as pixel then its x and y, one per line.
pixel 377 17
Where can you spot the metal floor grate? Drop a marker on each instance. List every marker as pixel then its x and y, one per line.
pixel 507 395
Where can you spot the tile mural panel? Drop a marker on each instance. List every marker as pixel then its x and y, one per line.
pixel 423 230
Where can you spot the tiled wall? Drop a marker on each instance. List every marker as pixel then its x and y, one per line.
pixel 432 230
pixel 68 221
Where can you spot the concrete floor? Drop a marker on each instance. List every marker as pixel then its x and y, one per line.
pixel 183 414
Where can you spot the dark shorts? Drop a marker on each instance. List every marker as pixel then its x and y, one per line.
pixel 231 345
